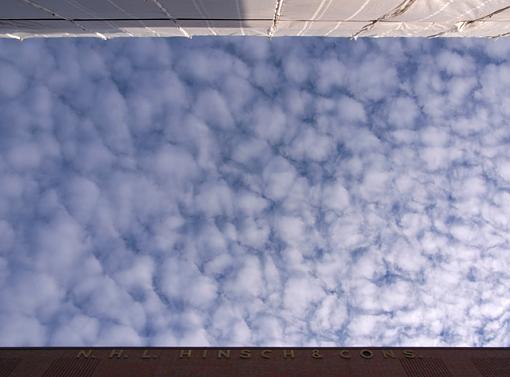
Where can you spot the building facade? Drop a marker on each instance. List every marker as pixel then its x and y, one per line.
pixel 254 362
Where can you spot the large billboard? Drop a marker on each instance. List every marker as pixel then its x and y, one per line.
pixel 254 362
pixel 272 18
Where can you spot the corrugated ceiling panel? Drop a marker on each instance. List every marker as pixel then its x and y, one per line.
pixel 196 9
pixel 62 28
pixel 504 15
pixel 102 8
pixel 229 28
pixel 331 10
pixel 39 26
pixel 450 10
pixel 480 29
pixel 146 29
pixel 294 28
pixel 255 17
pixel 220 9
pixel 410 29
pixel 19 9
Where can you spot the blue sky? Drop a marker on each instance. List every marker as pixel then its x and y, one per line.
pixel 247 191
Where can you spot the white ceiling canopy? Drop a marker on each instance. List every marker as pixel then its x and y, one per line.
pixel 186 18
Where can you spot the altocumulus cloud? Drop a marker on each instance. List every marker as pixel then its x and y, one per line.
pixel 246 191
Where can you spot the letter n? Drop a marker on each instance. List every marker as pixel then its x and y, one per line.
pixel 84 353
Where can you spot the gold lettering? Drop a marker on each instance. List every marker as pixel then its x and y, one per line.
pixel 86 354
pixel 366 354
pixel 265 354
pixel 344 354
pixel 288 354
pixel 223 354
pixel 185 354
pixel 146 355
pixel 204 354
pixel 245 354
pixel 118 354
pixel 388 354
pixel 409 354
pixel 316 354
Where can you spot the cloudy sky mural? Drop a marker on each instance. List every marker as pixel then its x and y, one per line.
pixel 255 192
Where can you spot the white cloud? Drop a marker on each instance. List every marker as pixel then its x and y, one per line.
pixel 221 191
pixel 403 112
pixel 335 196
pixel 454 63
pixel 77 331
pixel 300 293
pixel 372 77
pixel 330 316
pixel 310 145
pixel 351 110
pixel 331 74
pixel 13 82
pixel 268 121
pixel 295 69
pixel 292 230
pixel 213 109
pixel 24 156
pixel 182 280
pixel 279 175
